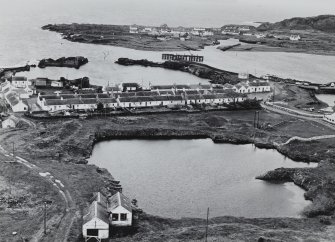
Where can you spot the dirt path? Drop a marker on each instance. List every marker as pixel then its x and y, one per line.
pixel 64 227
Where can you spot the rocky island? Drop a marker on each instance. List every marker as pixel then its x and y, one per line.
pixel 70 62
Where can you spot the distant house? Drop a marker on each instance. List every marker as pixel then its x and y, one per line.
pixel 15 102
pixel 56 84
pixel 242 88
pixel 243 75
pixel 133 30
pixel 130 87
pixel 19 81
pixel 121 210
pixel 207 33
pixel 10 122
pixel 41 82
pixel 295 37
pixel 260 35
pixel 112 89
pixel 5 86
pixel 258 86
pixel 330 118
pixel 96 223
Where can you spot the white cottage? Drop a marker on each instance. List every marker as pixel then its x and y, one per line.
pixel 19 81
pixel 10 122
pixel 96 223
pixel 16 103
pixel 120 209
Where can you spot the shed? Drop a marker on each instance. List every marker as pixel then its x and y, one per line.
pixel 120 209
pixel 96 223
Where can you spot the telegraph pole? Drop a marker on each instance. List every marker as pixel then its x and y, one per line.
pixel 258 119
pixel 45 217
pixel 13 151
pixel 207 225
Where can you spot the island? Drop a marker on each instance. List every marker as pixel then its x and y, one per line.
pixel 71 62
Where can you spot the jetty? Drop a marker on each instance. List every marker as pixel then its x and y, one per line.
pixel 177 57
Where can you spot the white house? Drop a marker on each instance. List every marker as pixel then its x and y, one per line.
pixel 242 88
pixel 243 75
pixel 207 33
pixel 120 209
pixel 259 86
pixel 260 35
pixel 5 85
pixel 56 84
pixel 10 122
pixel 96 223
pixel 16 103
pixel 295 37
pixel 19 81
pixel 330 118
pixel 133 30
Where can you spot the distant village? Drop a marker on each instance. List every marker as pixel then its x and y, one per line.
pixel 41 94
pixel 164 32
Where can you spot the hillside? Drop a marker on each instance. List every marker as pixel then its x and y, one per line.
pixel 325 23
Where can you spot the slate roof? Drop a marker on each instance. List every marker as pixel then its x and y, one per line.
pixel 118 199
pixel 96 210
pixel 19 78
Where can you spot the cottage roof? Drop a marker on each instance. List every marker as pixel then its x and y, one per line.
pixel 89 100
pixel 194 97
pixel 191 92
pixel 118 199
pixel 258 83
pixel 19 78
pixel 107 100
pixel 101 95
pixel 166 93
pixel 49 97
pixel 182 87
pixel 136 99
pixel 175 98
pixel 221 91
pixel 146 93
pixel 130 84
pixel 112 89
pixel 127 94
pixel 100 198
pixel 12 98
pixel 96 210
pixel 162 87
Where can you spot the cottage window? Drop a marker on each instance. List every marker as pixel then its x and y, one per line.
pixel 123 216
pixel 115 217
pixel 92 232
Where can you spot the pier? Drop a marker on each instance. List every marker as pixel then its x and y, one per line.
pixel 176 57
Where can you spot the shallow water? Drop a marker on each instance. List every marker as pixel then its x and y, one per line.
pixel 181 178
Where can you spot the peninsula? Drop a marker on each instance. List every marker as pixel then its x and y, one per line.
pixel 313 35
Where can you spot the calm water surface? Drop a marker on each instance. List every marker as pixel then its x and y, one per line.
pixel 327 98
pixel 181 178
pixel 22 40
